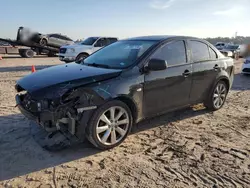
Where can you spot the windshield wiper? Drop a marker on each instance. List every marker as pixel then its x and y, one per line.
pixel 98 65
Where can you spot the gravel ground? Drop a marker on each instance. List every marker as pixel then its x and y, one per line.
pixel 188 148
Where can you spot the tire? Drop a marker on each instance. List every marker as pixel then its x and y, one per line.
pixel 28 53
pixel 110 129
pixel 43 42
pixel 217 97
pixel 81 57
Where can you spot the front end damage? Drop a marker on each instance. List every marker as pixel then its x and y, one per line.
pixel 63 115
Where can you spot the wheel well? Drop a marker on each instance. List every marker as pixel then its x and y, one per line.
pixel 83 53
pixel 44 39
pixel 226 81
pixel 131 106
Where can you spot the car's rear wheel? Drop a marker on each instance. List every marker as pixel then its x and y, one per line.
pixel 109 125
pixel 217 97
pixel 27 53
pixel 81 57
pixel 43 42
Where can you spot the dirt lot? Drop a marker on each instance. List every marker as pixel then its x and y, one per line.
pixel 188 148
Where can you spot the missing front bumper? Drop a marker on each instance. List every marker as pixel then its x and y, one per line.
pixel 54 141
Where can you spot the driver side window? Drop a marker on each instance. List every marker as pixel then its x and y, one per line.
pixel 174 53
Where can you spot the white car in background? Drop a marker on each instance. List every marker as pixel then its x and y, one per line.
pixel 80 51
pixel 246 66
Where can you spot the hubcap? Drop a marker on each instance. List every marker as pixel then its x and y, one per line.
pixel 112 125
pixel 219 95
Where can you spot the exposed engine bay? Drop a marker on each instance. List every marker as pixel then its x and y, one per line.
pixel 64 115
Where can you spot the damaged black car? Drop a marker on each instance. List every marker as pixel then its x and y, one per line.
pixel 101 97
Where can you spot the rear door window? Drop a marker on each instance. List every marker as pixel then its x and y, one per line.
pixel 112 40
pixel 102 42
pixel 199 50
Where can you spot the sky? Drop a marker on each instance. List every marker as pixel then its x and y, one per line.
pixel 127 18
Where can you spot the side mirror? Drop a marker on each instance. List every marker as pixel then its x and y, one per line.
pixel 156 65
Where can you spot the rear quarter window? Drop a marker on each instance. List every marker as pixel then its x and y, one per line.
pixel 213 54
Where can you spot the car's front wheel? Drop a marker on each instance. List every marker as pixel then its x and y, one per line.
pixel 109 125
pixel 217 97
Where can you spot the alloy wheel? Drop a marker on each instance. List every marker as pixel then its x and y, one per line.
pixel 112 125
pixel 219 96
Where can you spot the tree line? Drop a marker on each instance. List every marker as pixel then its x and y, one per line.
pixel 235 40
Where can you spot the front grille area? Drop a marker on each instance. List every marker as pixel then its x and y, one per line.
pixel 62 50
pixel 246 70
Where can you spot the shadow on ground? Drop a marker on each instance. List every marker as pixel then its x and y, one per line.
pixel 241 82
pixel 21 155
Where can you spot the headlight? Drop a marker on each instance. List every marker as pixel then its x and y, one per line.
pixel 71 50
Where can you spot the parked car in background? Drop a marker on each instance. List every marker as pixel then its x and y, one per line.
pixel 220 45
pixel 3 43
pixel 130 80
pixel 246 66
pixel 230 50
pixel 82 50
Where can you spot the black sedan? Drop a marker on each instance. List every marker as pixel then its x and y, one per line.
pixel 130 80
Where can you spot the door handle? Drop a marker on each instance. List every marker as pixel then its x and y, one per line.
pixel 186 73
pixel 216 67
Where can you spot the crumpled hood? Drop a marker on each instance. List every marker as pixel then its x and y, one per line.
pixel 71 73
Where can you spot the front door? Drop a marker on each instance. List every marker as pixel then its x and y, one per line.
pixel 168 89
pixel 53 40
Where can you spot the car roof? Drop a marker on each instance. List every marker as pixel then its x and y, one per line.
pixel 160 37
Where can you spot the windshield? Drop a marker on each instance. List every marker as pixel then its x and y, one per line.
pixel 119 55
pixel 232 47
pixel 89 41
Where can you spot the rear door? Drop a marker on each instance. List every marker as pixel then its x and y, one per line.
pixel 62 40
pixel 168 89
pixel 205 69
